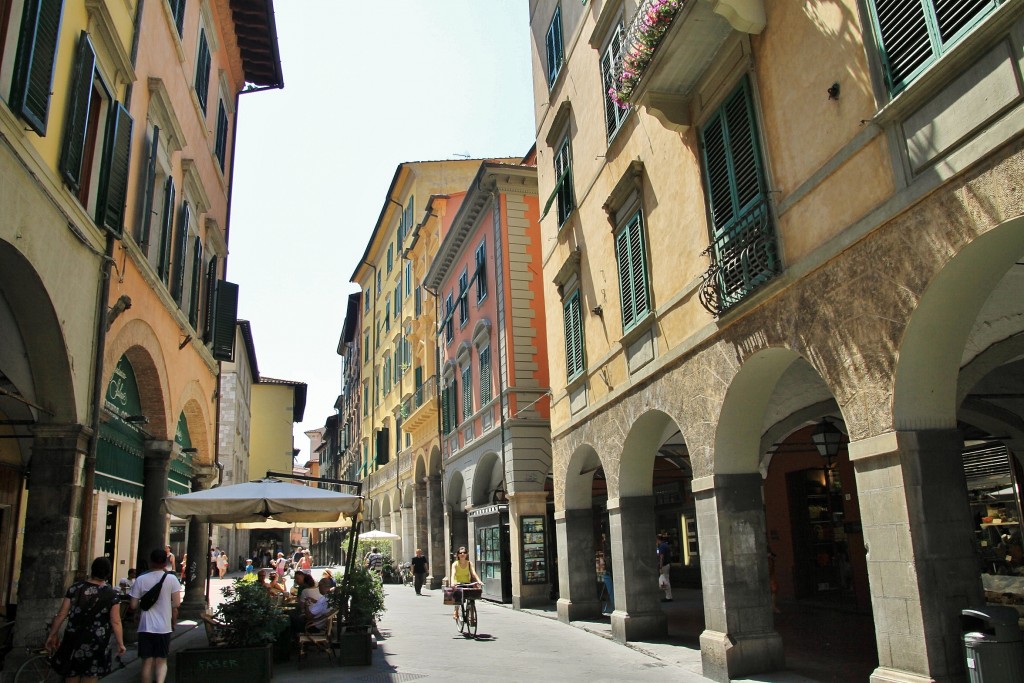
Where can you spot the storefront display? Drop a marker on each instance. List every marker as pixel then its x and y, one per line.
pixel 492 552
pixel 993 488
pixel 534 545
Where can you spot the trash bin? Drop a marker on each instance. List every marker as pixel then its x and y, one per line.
pixel 993 644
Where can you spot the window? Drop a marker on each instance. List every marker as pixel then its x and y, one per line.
pixel 553 46
pixel 486 392
pixel 467 392
pixel 611 58
pixel 366 405
pixel 88 104
pixel 178 12
pixel 366 347
pixel 408 278
pixel 366 300
pixel 197 279
pixel 391 257
pixel 913 35
pixel 211 290
pixel 742 237
pixel 573 318
pixel 481 272
pixel 203 63
pixel 397 297
pixel 220 148
pixel 387 316
pixel 564 194
pixel 34 62
pixel 464 298
pixel 449 327
pixel 448 403
pixel 181 255
pixel 632 260
pixel 163 267
pixel 380 287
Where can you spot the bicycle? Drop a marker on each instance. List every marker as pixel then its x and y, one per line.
pixel 37 669
pixel 467 595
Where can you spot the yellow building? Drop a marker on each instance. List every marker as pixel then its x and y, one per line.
pixel 783 242
pixel 116 129
pixel 392 369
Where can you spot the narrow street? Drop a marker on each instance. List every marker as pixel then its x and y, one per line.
pixel 421 642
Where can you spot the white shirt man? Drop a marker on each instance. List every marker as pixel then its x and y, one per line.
pixel 156 623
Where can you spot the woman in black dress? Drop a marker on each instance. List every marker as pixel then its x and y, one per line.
pixel 91 608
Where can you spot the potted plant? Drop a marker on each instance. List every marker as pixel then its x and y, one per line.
pixel 360 601
pixel 250 625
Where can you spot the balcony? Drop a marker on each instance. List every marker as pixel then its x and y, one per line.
pixel 669 46
pixel 742 259
pixel 421 406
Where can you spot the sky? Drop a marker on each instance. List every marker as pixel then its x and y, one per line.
pixel 367 86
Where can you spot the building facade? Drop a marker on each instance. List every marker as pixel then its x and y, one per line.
pixel 117 123
pixel 495 434
pixel 392 369
pixel 777 232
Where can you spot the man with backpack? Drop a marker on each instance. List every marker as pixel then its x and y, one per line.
pixel 157 593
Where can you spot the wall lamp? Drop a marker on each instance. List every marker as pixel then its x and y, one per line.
pixel 833 91
pixel 598 311
pixel 190 450
pixel 137 419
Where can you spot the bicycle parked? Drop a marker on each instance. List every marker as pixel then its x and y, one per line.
pixel 37 668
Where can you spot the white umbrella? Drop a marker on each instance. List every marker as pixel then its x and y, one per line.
pixel 376 535
pixel 263 500
pixel 341 522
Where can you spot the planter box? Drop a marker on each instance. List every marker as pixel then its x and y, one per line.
pixel 355 648
pixel 225 664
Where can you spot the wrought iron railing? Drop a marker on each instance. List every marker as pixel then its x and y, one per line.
pixel 743 257
pixel 422 394
pixel 648 27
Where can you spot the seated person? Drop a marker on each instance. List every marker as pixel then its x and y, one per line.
pixel 315 611
pixel 308 594
pixel 275 586
pixel 327 576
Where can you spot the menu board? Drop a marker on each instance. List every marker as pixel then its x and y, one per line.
pixel 535 557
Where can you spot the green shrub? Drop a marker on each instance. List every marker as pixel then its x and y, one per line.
pixel 363 594
pixel 250 614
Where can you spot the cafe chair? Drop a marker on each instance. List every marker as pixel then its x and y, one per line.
pixel 318 636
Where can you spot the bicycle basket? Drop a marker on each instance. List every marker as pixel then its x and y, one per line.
pixel 473 593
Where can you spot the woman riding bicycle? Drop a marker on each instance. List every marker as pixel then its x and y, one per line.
pixel 463 573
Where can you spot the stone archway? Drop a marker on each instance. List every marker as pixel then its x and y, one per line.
pixel 581 481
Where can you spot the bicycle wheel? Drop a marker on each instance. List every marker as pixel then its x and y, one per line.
pixel 36 669
pixel 471 618
pixel 463 618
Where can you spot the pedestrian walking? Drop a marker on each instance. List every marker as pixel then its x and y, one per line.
pixel 157 622
pixel 419 570
pixel 664 567
pixel 374 560
pixel 91 608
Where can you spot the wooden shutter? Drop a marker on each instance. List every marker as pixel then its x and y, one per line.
pixel 72 150
pixel 629 249
pixel 382 446
pixel 197 278
pixel 573 336
pixel 166 228
pixel 225 319
pixel 211 289
pixel 613 114
pixel 181 254
pixel 221 145
pixel 453 405
pixel 467 392
pixel 553 46
pixel 481 271
pixel 445 418
pixel 150 190
pixel 117 152
pixel 485 377
pixel 35 60
pixel 203 70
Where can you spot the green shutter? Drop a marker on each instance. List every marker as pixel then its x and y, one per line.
pixel 203 71
pixel 467 392
pixel 610 60
pixel 166 229
pixel 150 189
pixel 225 319
pixel 72 150
pixel 197 278
pixel 632 258
pixel 32 80
pixel 117 152
pixel 221 145
pixel 444 411
pixel 573 336
pixel 211 288
pixel 553 46
pixel 485 377
pixel 181 254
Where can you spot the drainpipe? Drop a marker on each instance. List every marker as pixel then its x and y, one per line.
pixel 373 351
pixel 500 305
pixel 89 478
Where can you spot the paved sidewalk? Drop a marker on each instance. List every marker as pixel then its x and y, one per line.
pixel 420 641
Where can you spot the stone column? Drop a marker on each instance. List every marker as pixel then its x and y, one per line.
pixel 397 546
pixel 153 522
pixel 53 527
pixel 421 515
pixel 435 531
pixel 919 537
pixel 577 584
pixel 198 570
pixel 409 530
pixel 739 637
pixel 638 612
pixel 520 504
